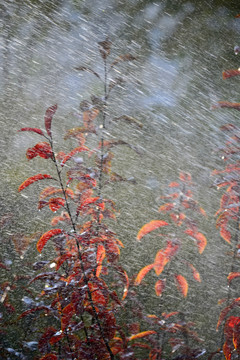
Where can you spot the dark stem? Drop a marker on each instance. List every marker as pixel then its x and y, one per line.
pixel 85 279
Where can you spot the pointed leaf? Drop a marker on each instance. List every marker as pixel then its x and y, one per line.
pixel 141 335
pixel 37 131
pixel 33 179
pixel 159 287
pixel 201 241
pixel 48 118
pixel 152 225
pixel 142 273
pixel 160 262
pixel 73 152
pixel 233 275
pixel 227 104
pixel 46 236
pixel 230 73
pixel 182 284
pixel 195 273
pixel 225 234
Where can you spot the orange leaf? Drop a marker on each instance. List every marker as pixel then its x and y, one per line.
pixel 45 237
pixel 233 275
pixel 141 335
pixel 159 287
pixel 182 284
pixel 166 207
pixel 160 262
pixel 152 225
pixel 201 241
pixel 32 179
pixel 195 273
pixel 126 287
pixel 143 272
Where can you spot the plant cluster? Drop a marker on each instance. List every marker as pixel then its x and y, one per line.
pixel 81 296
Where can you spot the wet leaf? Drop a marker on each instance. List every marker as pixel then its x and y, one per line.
pixel 159 287
pixel 42 149
pixel 152 225
pixel 37 131
pixel 230 73
pixel 182 284
pixel 225 234
pixel 142 273
pixel 33 179
pixel 73 152
pixel 85 68
pixel 166 207
pixel 227 104
pixel 195 273
pixel 233 275
pixel 46 236
pixel 130 120
pixel 160 262
pixel 48 118
pixel 225 311
pixel 141 335
pixel 31 311
pixel 125 57
pixel 201 241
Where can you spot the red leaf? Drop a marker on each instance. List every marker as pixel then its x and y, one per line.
pixel 38 308
pixel 224 312
pixel 56 203
pixel 32 179
pixel 225 234
pixel 230 73
pixel 143 272
pixel 159 287
pixel 182 284
pixel 73 152
pixel 38 131
pixel 42 149
pixel 45 237
pixel 48 118
pixel 152 225
pixel 141 335
pixel 68 312
pixel 233 275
